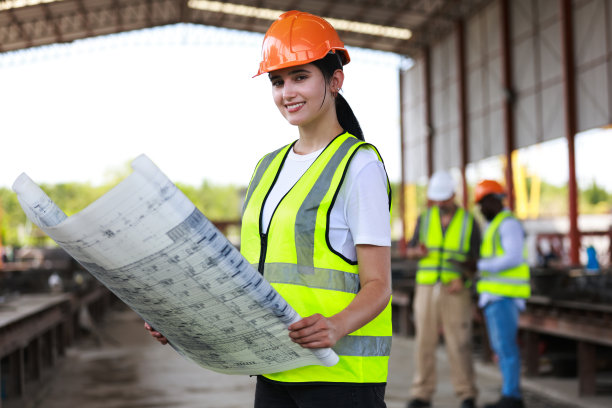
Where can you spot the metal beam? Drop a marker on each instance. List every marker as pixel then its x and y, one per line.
pixel 53 22
pixel 556 324
pixel 27 38
pixel 86 23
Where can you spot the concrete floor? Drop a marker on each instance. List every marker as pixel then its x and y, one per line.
pixel 128 369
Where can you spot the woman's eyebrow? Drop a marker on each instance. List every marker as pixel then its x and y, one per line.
pixel 295 71
pixel 298 71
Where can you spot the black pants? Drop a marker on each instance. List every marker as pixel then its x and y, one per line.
pixel 269 394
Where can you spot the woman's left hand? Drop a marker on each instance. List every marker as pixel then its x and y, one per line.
pixel 316 331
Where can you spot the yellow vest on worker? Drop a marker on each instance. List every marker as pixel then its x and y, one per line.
pixel 296 257
pixel 513 282
pixel 454 243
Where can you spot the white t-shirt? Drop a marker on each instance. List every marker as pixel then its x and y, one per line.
pixel 360 214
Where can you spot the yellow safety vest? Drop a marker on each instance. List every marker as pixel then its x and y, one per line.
pixel 454 243
pixel 513 282
pixel 296 257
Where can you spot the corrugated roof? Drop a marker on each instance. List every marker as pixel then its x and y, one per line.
pixel 29 23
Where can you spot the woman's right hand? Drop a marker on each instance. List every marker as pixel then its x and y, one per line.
pixel 155 334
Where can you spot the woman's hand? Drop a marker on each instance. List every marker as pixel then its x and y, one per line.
pixel 316 331
pixel 155 334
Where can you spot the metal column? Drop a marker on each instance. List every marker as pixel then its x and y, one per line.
pixel 427 105
pixel 508 102
pixel 569 102
pixel 402 193
pixel 461 93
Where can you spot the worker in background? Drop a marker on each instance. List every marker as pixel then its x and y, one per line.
pixel 503 285
pixel 316 222
pixel 442 295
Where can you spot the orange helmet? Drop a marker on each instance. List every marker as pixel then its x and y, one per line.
pixel 486 187
pixel 298 38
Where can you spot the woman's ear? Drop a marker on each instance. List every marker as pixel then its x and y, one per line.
pixel 337 80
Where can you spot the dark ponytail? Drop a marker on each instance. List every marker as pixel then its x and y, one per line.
pixel 347 118
pixel 328 65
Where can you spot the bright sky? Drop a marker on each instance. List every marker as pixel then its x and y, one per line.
pixel 183 95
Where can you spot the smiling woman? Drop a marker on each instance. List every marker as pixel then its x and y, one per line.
pixel 316 215
pixel 316 222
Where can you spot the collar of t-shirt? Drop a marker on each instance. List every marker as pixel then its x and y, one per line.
pixel 294 167
pixel 304 157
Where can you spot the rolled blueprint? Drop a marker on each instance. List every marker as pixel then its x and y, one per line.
pixel 147 243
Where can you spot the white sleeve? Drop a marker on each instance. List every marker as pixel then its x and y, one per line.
pixel 512 241
pixel 366 205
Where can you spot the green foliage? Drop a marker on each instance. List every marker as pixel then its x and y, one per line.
pixel 224 203
pixel 595 194
pixel 395 200
pixel 11 217
pixel 73 197
pixel 553 200
pixel 218 203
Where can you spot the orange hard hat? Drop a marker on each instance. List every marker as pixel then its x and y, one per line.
pixel 297 38
pixel 486 187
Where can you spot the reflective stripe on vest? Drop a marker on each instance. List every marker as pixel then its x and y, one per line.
pixel 312 277
pixel 513 282
pixel 454 243
pixel 298 261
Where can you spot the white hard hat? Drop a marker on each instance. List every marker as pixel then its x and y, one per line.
pixel 441 186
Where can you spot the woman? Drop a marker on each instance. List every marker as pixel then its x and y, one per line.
pixel 316 223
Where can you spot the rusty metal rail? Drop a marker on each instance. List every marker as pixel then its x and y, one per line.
pixel 589 325
pixel 564 312
pixel 35 330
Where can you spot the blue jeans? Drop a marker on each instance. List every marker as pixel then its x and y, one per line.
pixel 272 394
pixel 502 325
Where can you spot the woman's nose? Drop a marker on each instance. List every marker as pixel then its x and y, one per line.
pixel 288 90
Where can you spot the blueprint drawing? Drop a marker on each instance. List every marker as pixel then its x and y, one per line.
pixel 147 243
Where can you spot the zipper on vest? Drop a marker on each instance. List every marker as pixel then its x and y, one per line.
pixel 439 278
pixel 263 236
pixel 262 253
pixel 441 261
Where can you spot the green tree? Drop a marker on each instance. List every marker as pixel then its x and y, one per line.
pixel 217 202
pixel 12 217
pixel 595 194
